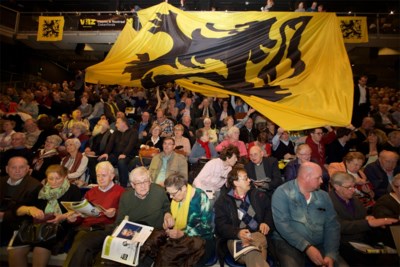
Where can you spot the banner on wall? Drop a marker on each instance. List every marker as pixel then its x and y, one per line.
pixel 354 29
pixel 292 67
pixel 101 22
pixel 50 28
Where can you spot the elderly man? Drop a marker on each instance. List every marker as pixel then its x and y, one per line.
pixel 107 195
pixel 264 172
pixel 355 225
pixel 167 162
pixel 393 142
pixel 18 149
pixel 305 220
pixel 167 126
pixel 32 132
pixel 381 172
pixel 248 133
pixel 144 126
pixel 16 190
pixel 120 148
pixel 145 203
pixel 97 146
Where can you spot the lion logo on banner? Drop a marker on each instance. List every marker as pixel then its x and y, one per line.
pixel 237 48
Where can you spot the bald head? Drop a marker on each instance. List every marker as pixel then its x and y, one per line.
pixel 256 154
pixel 309 177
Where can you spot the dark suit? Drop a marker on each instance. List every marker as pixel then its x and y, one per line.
pixel 271 171
pixel 359 110
pixel 248 136
pixel 378 177
pixel 26 193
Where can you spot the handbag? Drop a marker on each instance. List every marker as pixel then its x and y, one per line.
pixel 33 233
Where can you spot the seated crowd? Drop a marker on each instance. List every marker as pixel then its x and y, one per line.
pixel 202 171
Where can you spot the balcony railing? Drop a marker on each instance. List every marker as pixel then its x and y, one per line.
pixel 17 22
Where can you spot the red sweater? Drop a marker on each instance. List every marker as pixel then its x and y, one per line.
pixel 109 199
pixel 315 155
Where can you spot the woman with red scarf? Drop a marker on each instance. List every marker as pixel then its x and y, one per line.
pixel 75 162
pixel 202 149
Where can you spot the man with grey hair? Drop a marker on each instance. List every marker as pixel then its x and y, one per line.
pixel 18 149
pixel 32 132
pixel 355 225
pixel 305 221
pixel 381 172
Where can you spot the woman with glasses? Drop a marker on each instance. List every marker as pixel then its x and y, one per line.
pixel 244 212
pixel 352 164
pixel 355 225
pixel 192 213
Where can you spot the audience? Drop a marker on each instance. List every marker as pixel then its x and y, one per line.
pixel 303 154
pixel 75 162
pixel 46 157
pixel 203 149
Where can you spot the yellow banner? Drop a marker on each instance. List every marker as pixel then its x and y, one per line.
pixel 292 67
pixel 50 28
pixel 354 29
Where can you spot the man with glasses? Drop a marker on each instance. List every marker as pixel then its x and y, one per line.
pixel 305 221
pixel 167 126
pixel 355 225
pixel 317 141
pixel 244 212
pixel 144 203
pixel 167 162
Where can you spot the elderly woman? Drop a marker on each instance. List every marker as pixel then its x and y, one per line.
pixel 56 189
pixel 46 157
pixel 213 175
pixel 79 130
pixel 75 162
pixel 28 106
pixel 181 142
pixel 303 154
pixel 211 132
pixel 192 213
pixel 371 146
pixel 233 139
pixel 202 149
pixel 352 163
pixel 229 122
pixel 5 137
pixel 154 139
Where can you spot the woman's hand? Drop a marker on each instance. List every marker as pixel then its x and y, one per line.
pixel 174 233
pixel 58 218
pixel 169 221
pixel 35 212
pixel 71 217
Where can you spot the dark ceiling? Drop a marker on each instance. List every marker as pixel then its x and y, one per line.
pixel 231 5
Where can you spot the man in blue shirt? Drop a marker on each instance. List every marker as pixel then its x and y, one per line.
pixel 305 220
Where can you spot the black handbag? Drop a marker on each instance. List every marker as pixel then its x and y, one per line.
pixel 33 233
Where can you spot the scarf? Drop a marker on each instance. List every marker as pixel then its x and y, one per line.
pixel 180 210
pixel 206 148
pixel 75 165
pixel 52 195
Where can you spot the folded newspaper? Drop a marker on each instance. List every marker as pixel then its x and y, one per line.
pixel 239 249
pixel 84 207
pixel 124 244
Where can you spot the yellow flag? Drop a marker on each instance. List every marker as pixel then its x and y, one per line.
pixel 292 67
pixel 50 28
pixel 354 29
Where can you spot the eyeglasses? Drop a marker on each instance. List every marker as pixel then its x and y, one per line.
pixel 174 194
pixel 141 183
pixel 350 188
pixel 243 178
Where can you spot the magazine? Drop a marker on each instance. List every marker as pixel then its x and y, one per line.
pixel 124 244
pixel 84 207
pixel 365 248
pixel 239 249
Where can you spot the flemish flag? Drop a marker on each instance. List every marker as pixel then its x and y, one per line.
pixel 354 29
pixel 50 28
pixel 291 67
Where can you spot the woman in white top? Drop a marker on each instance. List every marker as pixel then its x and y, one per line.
pixel 75 162
pixel 181 142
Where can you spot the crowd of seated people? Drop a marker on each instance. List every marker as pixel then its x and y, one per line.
pixel 183 129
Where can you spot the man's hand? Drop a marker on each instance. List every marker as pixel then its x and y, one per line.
pixel 328 262
pixel 174 233
pixel 315 256
pixel 245 236
pixel 264 228
pixel 110 212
